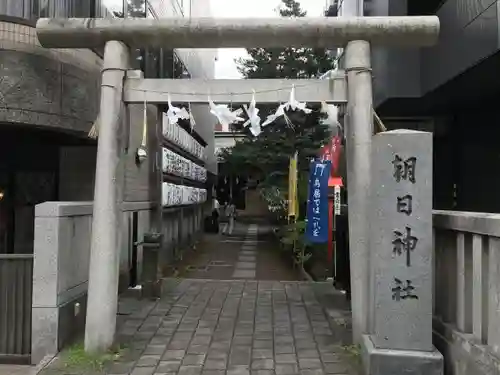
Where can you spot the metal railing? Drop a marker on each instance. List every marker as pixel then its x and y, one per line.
pixel 16 272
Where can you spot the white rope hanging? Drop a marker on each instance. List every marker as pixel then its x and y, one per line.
pixel 142 152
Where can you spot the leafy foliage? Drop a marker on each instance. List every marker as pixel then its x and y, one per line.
pixel 135 9
pixel 266 158
pixel 286 62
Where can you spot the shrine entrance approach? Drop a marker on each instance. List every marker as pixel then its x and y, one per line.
pixel 120 86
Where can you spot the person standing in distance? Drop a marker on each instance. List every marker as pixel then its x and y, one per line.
pixel 231 216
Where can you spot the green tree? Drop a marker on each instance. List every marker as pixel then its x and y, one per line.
pixel 285 62
pixel 135 9
pixel 266 157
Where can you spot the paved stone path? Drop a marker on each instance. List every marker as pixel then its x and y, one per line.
pixel 17 370
pixel 249 253
pixel 233 328
pixel 247 260
pixel 242 325
pixel 205 327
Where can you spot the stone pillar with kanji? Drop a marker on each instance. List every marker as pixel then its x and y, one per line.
pixel 400 305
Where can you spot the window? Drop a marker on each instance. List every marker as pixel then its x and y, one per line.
pixel 422 8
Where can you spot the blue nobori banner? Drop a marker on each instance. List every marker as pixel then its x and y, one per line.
pixel 317 204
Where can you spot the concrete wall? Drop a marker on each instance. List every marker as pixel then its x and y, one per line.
pixel 41 87
pixel 60 272
pixel 396 71
pixel 469 33
pixel 77 173
pixel 142 181
pixel 181 228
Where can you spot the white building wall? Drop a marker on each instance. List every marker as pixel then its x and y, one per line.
pixel 199 62
pixel 348 8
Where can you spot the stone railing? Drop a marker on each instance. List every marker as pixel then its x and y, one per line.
pixel 467 291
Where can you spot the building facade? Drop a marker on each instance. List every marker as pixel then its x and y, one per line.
pixel 449 89
pixel 49 102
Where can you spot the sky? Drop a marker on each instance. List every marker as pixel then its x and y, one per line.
pixel 225 66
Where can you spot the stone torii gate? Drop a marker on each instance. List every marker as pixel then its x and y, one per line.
pixel 353 84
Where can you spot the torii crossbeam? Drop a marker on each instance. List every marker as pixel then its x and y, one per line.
pixel 183 32
pixel 118 35
pixel 237 91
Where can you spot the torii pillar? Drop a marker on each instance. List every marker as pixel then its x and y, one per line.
pixel 355 32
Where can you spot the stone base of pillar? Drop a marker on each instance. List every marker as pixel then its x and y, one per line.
pixel 398 362
pixel 151 287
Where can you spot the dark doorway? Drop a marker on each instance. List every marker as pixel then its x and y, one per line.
pixel 133 257
pixel 29 175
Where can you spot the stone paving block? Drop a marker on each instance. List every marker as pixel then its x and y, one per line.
pixel 285 358
pixel 218 354
pixel 178 345
pixel 262 354
pixel 247 258
pixel 198 349
pixel 215 364
pixel 238 370
pixel 308 353
pixel 143 371
pixel 309 363
pixel 305 344
pixel 330 358
pixel 155 349
pixel 201 340
pixel 168 366
pixel 263 335
pixel 262 364
pixel 246 265
pixel 174 355
pixel 121 368
pixel 242 340
pixel 132 355
pixel 317 371
pixel 243 274
pixel 240 355
pixel 283 339
pixel 284 349
pixel 248 253
pixel 335 368
pixel 213 372
pixel 148 361
pixel 243 331
pixel 286 369
pixel 194 359
pixel 221 345
pixel 263 344
pixel 190 370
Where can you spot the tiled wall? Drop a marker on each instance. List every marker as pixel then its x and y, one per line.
pixel 23 38
pixel 46 87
